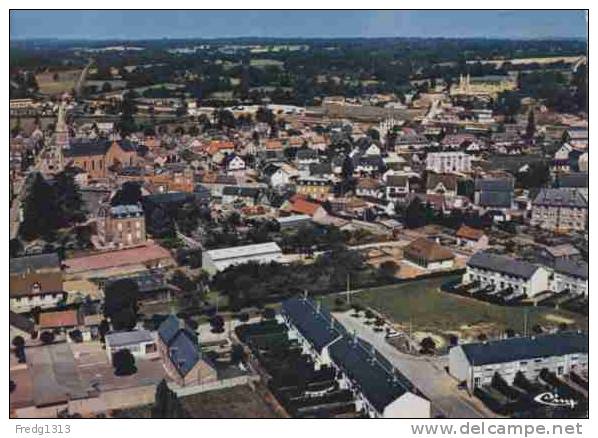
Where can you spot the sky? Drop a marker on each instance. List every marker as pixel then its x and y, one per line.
pixel 143 24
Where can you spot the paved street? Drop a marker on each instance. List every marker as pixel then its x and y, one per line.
pixel 426 373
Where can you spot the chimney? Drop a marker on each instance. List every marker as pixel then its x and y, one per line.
pixel 305 295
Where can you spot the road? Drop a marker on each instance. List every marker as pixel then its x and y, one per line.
pixel 82 77
pixel 427 374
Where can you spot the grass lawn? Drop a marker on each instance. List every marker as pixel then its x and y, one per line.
pixel 431 310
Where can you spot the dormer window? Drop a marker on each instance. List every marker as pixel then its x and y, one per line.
pixel 36 288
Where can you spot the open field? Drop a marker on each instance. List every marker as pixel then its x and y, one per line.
pixel 430 310
pixel 65 81
pixel 235 402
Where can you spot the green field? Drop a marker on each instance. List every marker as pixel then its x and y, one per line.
pixel 428 309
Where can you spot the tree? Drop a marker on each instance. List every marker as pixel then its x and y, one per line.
pixel 415 215
pixel 103 329
pixel 40 210
pixel 160 224
pixel 68 198
pixel 124 363
pixel 217 324
pixel 167 403
pixel 126 124
pixel 129 194
pixel 47 337
pixel 428 345
pixel 530 130
pixel 120 303
pixel 15 247
pixel 269 313
pixel 19 343
pixel 237 354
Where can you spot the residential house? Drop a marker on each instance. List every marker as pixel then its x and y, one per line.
pixel 369 188
pixel 442 184
pixel 35 281
pixel 428 254
pixel 397 187
pixel 62 320
pixel 570 275
pixel 472 238
pixel 241 194
pixel 121 226
pixel 494 194
pixel 477 363
pixel 305 157
pixel 502 272
pixel 317 188
pixel 183 359
pixel 447 162
pixel 234 163
pixel 560 209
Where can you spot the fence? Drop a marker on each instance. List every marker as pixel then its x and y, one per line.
pixel 182 391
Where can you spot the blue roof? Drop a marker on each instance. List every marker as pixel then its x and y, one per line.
pixel 183 352
pixel 513 349
pixel 378 381
pixel 319 328
pixel 379 385
pixel 182 342
pixel 171 326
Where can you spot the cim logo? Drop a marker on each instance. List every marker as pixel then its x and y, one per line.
pixel 550 399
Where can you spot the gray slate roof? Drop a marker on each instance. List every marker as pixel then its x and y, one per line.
pixel 562 197
pixel 375 377
pixel 574 268
pixel 123 339
pixel 22 265
pixel 318 327
pixel 496 199
pixel 514 349
pixel 381 386
pixel 503 264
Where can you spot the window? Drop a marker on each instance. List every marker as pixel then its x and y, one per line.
pixel 560 370
pixel 476 381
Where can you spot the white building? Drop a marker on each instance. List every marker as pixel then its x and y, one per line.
pixel 442 162
pixel 140 343
pixel 218 260
pixel 503 272
pixel 571 275
pixel 475 364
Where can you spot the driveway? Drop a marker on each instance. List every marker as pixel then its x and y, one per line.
pixel 426 373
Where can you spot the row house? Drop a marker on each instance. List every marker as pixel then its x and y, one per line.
pixel 379 390
pixel 502 272
pixel 476 364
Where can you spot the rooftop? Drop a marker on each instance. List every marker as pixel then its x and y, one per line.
pixel 523 348
pixel 503 264
pixel 23 265
pixel 121 339
pixel 243 251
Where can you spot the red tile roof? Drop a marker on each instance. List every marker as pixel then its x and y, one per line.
pixel 303 206
pixel 123 257
pixel 469 233
pixel 65 318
